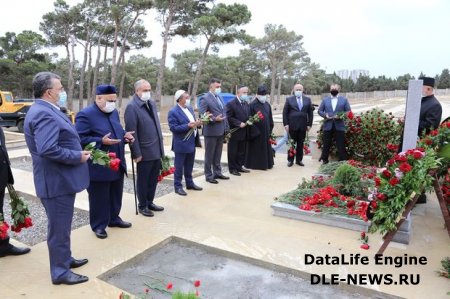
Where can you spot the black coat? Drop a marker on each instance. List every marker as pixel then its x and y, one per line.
pixel 295 118
pixel 6 176
pixel 237 113
pixel 259 151
pixel 430 114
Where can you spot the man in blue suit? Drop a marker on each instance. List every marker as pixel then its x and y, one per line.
pixel 60 171
pixel 181 120
pixel 214 131
pixel 141 117
pixel 100 123
pixel 333 125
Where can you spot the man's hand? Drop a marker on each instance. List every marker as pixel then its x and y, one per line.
pixel 286 128
pixel 242 125
pixel 138 159
pixel 219 118
pixel 108 141
pixel 328 117
pixel 85 155
pixel 192 124
pixel 129 137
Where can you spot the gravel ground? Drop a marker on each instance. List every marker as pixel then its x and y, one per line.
pixel 38 232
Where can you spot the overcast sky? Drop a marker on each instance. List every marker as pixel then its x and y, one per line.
pixel 390 37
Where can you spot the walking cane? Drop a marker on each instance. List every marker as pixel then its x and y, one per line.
pixel 134 180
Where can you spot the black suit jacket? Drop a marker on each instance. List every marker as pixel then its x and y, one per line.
pixel 6 176
pixel 430 114
pixel 237 114
pixel 295 118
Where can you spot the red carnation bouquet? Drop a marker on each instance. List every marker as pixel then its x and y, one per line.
pixel 166 168
pixel 291 144
pixel 272 139
pixel 257 117
pixel 20 214
pixel 106 159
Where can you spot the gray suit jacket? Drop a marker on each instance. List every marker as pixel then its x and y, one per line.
pixel 209 103
pixel 147 133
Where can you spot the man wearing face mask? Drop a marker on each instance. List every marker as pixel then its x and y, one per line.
pixel 181 120
pixel 100 123
pixel 141 117
pixel 214 131
pixel 59 170
pixel 259 153
pixel 297 120
pixel 238 112
pixel 333 127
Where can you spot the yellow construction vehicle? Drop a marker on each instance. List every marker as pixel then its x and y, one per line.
pixel 12 112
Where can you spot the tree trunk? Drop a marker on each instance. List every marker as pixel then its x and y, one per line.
pixel 71 79
pixel 162 64
pixel 105 65
pixel 122 83
pixel 199 70
pixel 113 63
pixel 280 79
pixel 272 84
pixel 96 70
pixel 89 75
pixel 82 73
pixel 189 87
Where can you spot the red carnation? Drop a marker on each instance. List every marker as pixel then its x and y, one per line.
pixel 169 286
pixel 434 132
pixel 394 181
pixel 381 197
pixel 197 283
pixel 350 115
pixel 112 155
pixel 363 235
pixel 28 222
pixel 146 290
pixel 377 181
pixel 387 173
pixel 405 167
pixel 365 246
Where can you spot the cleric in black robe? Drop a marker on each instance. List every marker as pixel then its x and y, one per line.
pixel 259 151
pixel 430 108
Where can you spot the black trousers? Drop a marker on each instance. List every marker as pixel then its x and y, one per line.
pixel 339 138
pixel 236 154
pixel 147 179
pixel 5 242
pixel 299 138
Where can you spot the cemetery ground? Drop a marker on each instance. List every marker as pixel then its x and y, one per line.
pixel 234 217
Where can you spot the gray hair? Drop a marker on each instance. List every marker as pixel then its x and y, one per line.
pixel 139 83
pixel 43 81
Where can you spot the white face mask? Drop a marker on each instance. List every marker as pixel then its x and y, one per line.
pixel 188 102
pixel 262 99
pixel 298 93
pixel 146 96
pixel 109 107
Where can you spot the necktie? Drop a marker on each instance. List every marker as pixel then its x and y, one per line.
pixel 299 102
pixel 219 101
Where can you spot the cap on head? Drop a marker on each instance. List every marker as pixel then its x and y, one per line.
pixel 427 81
pixel 178 94
pixel 262 90
pixel 105 89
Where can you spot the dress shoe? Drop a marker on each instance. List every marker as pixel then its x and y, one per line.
pixel 244 170
pixel 78 263
pixel 13 250
pixel 212 181
pixel 194 187
pixel 180 191
pixel 235 172
pixel 146 212
pixel 121 224
pixel 70 279
pixel 290 163
pixel 222 177
pixel 155 208
pixel 300 163
pixel 101 233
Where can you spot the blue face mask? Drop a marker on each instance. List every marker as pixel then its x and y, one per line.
pixel 62 101
pixel 298 93
pixel 217 91
pixel 262 99
pixel 244 97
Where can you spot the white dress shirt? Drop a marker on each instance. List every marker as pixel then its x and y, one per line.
pixel 334 101
pixel 190 116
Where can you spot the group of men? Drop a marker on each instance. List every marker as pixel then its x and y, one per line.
pixel 61 167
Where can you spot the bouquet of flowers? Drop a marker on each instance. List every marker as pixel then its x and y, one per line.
pixel 291 147
pixel 306 149
pixel 102 158
pixel 257 117
pixel 272 139
pixel 205 118
pixel 166 168
pixel 20 214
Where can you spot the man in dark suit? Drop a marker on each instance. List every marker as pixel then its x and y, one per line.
pixel 141 117
pixel 214 131
pixel 430 108
pixel 238 113
pixel 59 170
pixel 100 123
pixel 181 120
pixel 6 178
pixel 333 125
pixel 297 120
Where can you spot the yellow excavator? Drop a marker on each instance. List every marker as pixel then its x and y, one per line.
pixel 12 112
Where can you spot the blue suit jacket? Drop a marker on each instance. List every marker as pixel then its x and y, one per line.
pixel 56 152
pixel 178 124
pixel 209 103
pixel 326 108
pixel 92 124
